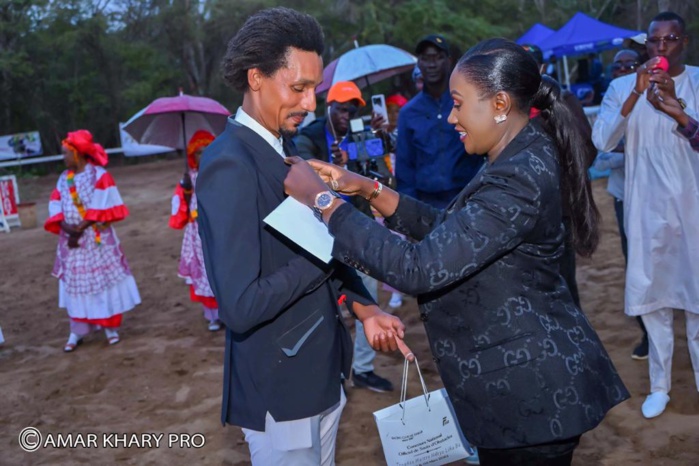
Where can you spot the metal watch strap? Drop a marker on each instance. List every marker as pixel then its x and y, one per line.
pixel 318 212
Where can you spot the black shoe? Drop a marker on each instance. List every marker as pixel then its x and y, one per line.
pixel 641 351
pixel 371 381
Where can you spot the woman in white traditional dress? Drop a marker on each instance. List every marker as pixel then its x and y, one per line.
pixel 95 284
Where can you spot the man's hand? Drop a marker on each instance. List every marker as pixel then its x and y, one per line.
pixel 378 123
pixel 644 73
pixel 339 156
pixel 383 331
pixel 662 96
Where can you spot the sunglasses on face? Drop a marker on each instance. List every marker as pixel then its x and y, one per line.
pixel 669 39
pixel 621 65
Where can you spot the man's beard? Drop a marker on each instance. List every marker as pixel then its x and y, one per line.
pixel 290 133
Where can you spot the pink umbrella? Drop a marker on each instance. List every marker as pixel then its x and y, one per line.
pixel 171 121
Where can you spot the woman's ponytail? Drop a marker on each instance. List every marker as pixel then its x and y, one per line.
pixel 573 145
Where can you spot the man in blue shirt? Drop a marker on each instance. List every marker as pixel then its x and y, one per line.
pixel 431 164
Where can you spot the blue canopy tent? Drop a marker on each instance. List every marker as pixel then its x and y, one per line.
pixel 535 35
pixel 583 34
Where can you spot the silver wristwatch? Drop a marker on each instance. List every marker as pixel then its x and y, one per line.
pixel 324 200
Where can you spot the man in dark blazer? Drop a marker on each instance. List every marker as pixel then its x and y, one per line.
pixel 287 348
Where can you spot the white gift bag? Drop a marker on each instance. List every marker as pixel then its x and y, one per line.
pixel 422 430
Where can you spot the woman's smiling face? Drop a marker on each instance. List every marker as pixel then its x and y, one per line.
pixel 472 115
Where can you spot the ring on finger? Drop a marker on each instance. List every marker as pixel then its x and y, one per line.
pixel 334 184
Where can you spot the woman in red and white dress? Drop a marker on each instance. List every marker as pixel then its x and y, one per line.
pixel 184 215
pixel 95 284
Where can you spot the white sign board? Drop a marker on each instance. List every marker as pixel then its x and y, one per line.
pixel 15 146
pixel 9 198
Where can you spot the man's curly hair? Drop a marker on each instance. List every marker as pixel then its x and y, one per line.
pixel 264 41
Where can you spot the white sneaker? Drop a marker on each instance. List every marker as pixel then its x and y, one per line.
pixel 214 326
pixel 655 404
pixel 396 300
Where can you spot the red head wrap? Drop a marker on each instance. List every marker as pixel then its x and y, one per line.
pixel 396 99
pixel 81 142
pixel 199 140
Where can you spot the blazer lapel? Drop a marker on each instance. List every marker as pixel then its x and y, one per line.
pixel 270 164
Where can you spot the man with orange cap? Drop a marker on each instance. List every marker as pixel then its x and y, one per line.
pixel 326 139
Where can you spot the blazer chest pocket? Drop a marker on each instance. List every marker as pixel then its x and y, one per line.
pixel 513 351
pixel 292 340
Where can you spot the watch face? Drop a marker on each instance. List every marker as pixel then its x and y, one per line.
pixel 324 200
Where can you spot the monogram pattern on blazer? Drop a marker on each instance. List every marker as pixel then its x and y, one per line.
pixel 521 363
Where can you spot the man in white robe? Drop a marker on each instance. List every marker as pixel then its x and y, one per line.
pixel 661 196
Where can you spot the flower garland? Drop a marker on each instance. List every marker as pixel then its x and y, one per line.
pixel 192 212
pixel 70 179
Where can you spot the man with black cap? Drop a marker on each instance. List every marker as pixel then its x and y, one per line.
pixel 431 164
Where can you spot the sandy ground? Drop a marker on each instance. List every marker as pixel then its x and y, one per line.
pixel 166 374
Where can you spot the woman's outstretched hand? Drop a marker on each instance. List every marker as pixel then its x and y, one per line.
pixel 340 180
pixel 302 182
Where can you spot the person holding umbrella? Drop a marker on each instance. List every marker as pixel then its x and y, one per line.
pixel 95 283
pixel 184 215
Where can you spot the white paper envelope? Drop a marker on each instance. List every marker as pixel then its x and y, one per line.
pixel 298 223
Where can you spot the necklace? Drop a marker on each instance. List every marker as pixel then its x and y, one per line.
pixel 70 180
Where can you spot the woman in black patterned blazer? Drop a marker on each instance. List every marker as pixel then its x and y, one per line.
pixel 526 372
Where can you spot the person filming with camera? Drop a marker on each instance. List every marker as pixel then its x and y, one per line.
pixel 334 139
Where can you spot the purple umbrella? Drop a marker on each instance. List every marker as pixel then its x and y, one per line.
pixel 171 121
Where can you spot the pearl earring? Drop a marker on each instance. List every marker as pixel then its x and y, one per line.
pixel 499 118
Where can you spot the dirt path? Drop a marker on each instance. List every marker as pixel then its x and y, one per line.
pixel 166 374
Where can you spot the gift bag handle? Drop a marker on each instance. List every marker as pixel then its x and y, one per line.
pixel 404 386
